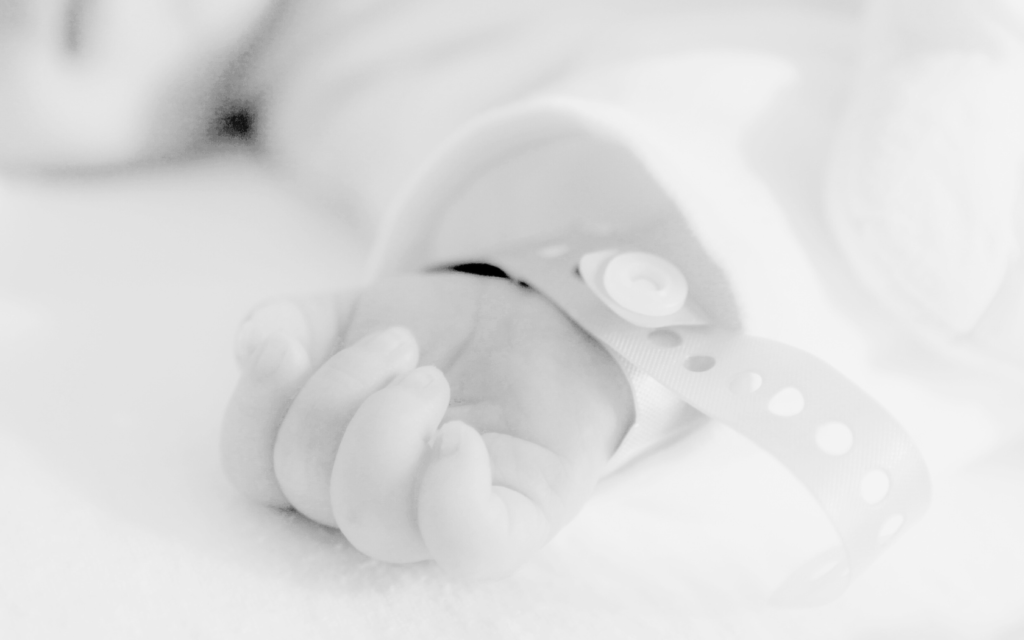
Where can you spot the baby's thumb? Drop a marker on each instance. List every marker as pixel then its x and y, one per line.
pixel 472 529
pixel 379 460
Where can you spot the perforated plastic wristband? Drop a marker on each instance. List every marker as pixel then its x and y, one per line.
pixel 627 291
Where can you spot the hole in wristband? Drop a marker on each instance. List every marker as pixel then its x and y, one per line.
pixel 875 486
pixel 747 382
pixel 553 251
pixel 699 364
pixel 665 338
pixel 834 438
pixel 890 527
pixel 786 403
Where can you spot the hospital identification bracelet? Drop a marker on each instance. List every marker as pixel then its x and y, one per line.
pixel 853 457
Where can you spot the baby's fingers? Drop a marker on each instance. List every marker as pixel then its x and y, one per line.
pixel 308 440
pixel 380 459
pixel 476 530
pixel 272 352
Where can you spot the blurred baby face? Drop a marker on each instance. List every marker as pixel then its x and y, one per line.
pixel 90 82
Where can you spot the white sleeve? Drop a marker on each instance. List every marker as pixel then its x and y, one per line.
pixel 643 152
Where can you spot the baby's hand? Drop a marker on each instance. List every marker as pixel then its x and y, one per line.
pixel 463 419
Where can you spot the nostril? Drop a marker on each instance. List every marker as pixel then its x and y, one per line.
pixel 237 123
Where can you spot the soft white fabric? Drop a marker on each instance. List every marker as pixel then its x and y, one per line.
pixel 926 188
pixel 356 95
pixel 925 183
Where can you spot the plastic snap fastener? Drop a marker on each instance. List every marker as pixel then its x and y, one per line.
pixel 646 284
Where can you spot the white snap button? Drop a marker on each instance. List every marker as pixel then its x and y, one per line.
pixel 646 284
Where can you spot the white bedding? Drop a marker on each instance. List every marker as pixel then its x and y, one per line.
pixel 119 295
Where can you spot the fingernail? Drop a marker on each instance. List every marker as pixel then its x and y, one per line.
pixel 420 378
pixel 273 319
pixel 247 341
pixel 389 340
pixel 267 360
pixel 449 438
